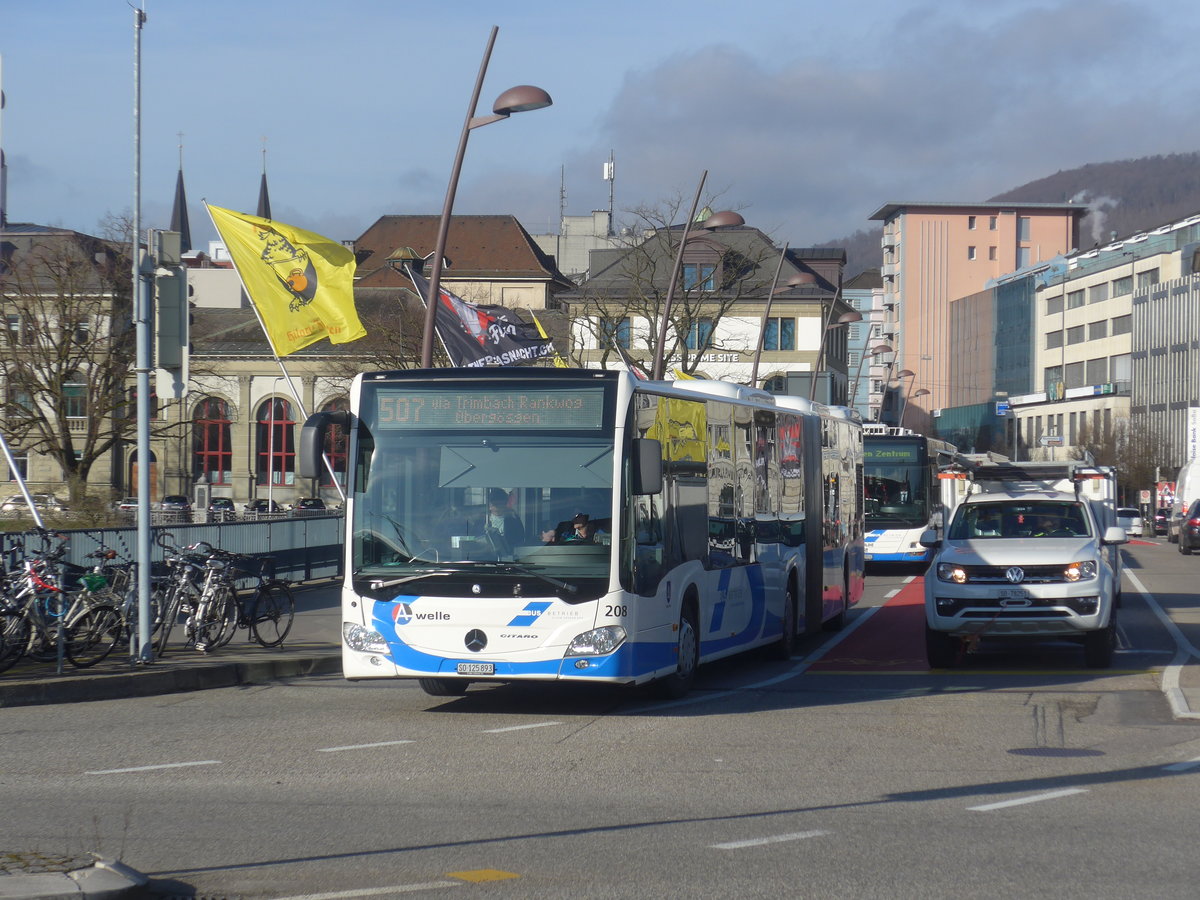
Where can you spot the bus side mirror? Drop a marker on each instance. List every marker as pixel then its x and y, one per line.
pixel 646 469
pixel 312 440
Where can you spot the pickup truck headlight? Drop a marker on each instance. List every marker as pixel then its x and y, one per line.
pixel 949 572
pixel 1080 571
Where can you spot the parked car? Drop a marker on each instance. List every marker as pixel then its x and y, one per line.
pixel 175 503
pixel 1130 519
pixel 1162 516
pixel 309 506
pixel 127 504
pixel 1189 529
pixel 43 502
pixel 221 509
pixel 261 506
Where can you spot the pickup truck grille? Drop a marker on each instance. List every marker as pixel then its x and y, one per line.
pixel 999 574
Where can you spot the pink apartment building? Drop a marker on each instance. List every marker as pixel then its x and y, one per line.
pixel 934 253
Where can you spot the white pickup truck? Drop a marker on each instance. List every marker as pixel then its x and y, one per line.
pixel 1023 558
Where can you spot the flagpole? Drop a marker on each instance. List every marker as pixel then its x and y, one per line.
pixel 287 376
pixel 430 317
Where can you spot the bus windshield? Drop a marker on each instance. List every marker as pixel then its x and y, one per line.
pixel 896 488
pixel 521 482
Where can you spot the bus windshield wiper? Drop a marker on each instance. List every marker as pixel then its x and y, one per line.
pixel 523 570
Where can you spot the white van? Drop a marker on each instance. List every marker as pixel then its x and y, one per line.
pixel 1187 489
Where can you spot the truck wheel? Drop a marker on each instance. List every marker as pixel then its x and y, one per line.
pixel 1098 646
pixel 941 649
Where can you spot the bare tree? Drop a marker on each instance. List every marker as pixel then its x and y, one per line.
pixel 67 346
pixel 1133 450
pixel 719 273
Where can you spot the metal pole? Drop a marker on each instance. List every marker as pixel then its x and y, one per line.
pixel 812 381
pixel 656 370
pixel 435 274
pixel 144 652
pixel 762 328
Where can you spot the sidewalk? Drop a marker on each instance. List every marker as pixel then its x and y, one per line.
pixel 312 648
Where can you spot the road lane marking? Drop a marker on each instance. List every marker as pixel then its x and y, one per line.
pixel 361 746
pixel 375 892
pixel 1180 709
pixel 773 839
pixel 481 875
pixel 890 594
pixel 1036 798
pixel 519 727
pixel 1182 766
pixel 203 762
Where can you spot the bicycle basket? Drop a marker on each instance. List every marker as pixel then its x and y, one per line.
pixel 94 582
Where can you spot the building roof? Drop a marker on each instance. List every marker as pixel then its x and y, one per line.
pixel 477 248
pixel 888 210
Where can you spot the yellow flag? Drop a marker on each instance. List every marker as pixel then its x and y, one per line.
pixel 559 362
pixel 301 283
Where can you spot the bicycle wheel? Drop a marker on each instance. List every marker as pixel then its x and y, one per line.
pixel 272 610
pixel 14 636
pixel 169 604
pixel 92 635
pixel 215 620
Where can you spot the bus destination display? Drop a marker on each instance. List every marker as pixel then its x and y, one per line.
pixel 537 408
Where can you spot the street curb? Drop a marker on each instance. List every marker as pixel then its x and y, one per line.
pixel 161 678
pixel 106 879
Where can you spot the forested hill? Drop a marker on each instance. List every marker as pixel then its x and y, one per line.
pixel 1125 197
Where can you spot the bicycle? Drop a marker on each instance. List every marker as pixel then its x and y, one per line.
pixel 267 614
pixel 178 593
pixel 45 621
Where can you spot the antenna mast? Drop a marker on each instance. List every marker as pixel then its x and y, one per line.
pixel 609 173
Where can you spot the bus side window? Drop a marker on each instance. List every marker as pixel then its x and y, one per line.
pixel 648 544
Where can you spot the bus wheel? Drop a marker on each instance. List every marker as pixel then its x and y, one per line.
pixel 785 647
pixel 680 681
pixel 444 687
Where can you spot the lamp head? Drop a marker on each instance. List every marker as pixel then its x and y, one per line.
pixel 521 98
pixel 722 219
pixel 906 373
pixel 847 318
pixel 922 392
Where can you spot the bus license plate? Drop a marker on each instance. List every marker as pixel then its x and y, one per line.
pixel 476 669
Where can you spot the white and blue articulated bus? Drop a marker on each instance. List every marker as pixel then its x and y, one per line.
pixel 903 492
pixel 553 524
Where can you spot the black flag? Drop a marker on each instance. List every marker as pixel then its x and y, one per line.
pixel 482 335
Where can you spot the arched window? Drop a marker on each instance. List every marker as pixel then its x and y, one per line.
pixel 336 441
pixel 276 443
pixel 212 458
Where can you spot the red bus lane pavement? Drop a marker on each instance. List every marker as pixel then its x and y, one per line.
pixel 891 639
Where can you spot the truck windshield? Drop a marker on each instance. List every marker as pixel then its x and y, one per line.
pixel 468 498
pixel 1027 519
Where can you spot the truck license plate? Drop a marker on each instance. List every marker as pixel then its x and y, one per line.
pixel 476 669
pixel 1014 594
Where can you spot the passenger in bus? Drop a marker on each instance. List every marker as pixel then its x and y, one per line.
pixel 501 520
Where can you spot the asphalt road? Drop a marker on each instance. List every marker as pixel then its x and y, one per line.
pixel 1020 775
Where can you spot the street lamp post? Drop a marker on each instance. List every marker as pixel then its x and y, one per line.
pixel 921 392
pixel 800 278
pixel 516 99
pixel 877 350
pixel 716 220
pixel 843 319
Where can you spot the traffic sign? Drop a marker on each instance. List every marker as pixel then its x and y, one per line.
pixel 1003 408
pixel 1051 440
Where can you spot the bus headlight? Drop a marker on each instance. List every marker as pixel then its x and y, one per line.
pixel 359 637
pixel 597 642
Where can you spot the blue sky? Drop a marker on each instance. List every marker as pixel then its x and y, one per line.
pixel 807 116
